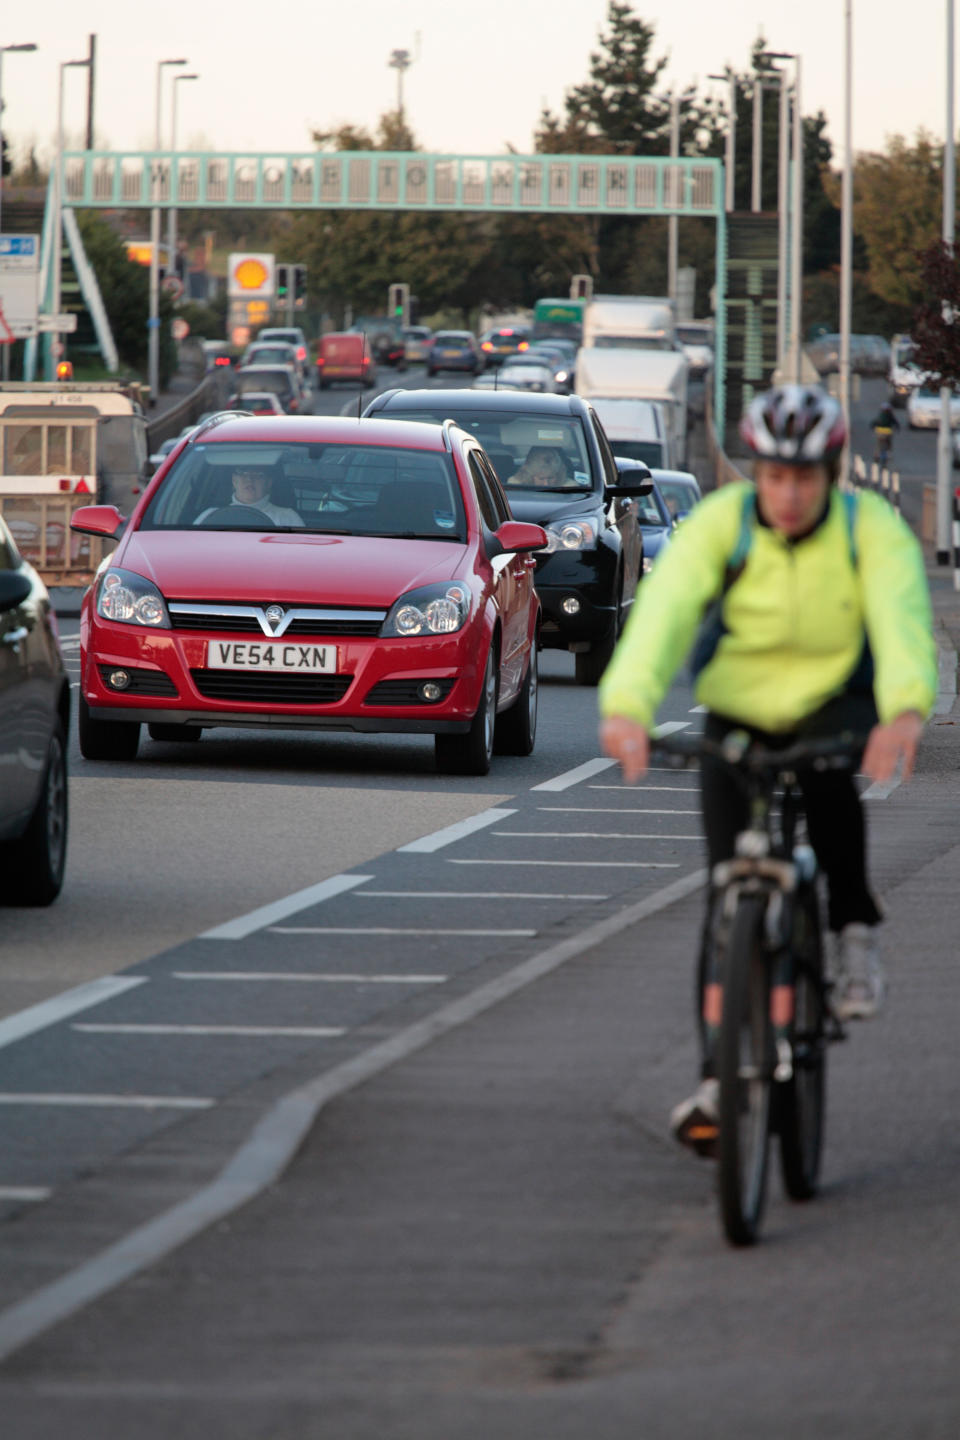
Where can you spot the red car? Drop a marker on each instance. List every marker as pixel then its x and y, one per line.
pixel 315 573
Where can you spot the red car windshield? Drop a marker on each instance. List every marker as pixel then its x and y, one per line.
pixel 320 488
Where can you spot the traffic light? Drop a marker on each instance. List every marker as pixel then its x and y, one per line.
pixel 283 281
pixel 581 287
pixel 299 285
pixel 398 303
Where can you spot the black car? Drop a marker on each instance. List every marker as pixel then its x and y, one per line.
pixel 588 576
pixel 34 721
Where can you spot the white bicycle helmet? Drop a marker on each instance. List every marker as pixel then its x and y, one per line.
pixel 795 425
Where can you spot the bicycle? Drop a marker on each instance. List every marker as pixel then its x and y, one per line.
pixel 765 997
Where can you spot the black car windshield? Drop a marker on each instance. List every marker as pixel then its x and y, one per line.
pixel 312 487
pixel 512 439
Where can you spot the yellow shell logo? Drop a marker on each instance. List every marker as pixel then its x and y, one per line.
pixel 251 275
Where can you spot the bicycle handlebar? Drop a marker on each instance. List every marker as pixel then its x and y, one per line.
pixel 739 751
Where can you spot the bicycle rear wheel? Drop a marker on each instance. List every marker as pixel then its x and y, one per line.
pixel 801 1101
pixel 745 1067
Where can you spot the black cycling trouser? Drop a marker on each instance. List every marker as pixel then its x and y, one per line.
pixel 836 823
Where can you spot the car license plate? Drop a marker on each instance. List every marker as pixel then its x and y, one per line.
pixel 270 655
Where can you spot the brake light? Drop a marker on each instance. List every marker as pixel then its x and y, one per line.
pixel 301 353
pixel 320 362
pixel 222 360
pixel 524 345
pixel 487 345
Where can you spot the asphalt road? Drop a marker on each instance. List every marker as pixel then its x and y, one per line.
pixel 491 1235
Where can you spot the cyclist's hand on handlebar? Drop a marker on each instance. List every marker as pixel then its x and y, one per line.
pixel 628 742
pixel 889 744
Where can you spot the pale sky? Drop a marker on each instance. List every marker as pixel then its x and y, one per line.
pixel 483 68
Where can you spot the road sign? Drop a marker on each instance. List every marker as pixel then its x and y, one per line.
pixel 173 285
pixel 19 283
pixel 65 324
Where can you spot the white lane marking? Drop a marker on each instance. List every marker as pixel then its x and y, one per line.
pixel 381 930
pixel 670 727
pixel 121 1102
pixel 72 642
pixel 427 844
pixel 573 777
pixel 296 977
pixel 580 864
pixel 24 1192
pixel 474 895
pixel 51 1012
pixel 245 925
pixel 698 710
pixel 642 789
pixel 881 789
pixel 610 810
pixel 276 1138
pixel 585 835
pixel 319 1031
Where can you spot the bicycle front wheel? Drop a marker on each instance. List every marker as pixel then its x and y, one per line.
pixel 801 1100
pixel 745 1067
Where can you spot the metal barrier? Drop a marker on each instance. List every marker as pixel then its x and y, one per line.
pixel 207 396
pixel 877 478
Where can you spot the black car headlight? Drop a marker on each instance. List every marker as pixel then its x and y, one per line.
pixel 429 610
pixel 577 534
pixel 132 600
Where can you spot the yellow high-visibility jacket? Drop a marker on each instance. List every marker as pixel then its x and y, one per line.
pixel 793 622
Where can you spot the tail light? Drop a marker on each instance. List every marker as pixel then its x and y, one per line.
pixel 524 345
pixel 222 360
pixel 320 362
pixel 301 353
pixel 487 345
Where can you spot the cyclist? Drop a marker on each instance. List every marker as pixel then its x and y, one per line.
pixel 823 626
pixel 883 425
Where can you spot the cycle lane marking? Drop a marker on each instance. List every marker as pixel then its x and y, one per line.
pixel 275 1139
pixel 61 1007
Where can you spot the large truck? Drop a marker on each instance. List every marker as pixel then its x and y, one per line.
pixel 558 320
pixel 629 322
pixel 64 445
pixel 629 376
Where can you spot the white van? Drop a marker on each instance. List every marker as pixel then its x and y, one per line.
pixel 629 322
pixel 637 430
pixel 632 375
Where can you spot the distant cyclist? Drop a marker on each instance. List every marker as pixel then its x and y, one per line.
pixel 883 425
pixel 822 625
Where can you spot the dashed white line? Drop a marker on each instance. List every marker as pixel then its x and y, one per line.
pixel 584 835
pixel 427 844
pixel 25 1192
pixel 295 977
pixel 609 810
pixel 60 1007
pixel 573 777
pixel 311 1031
pixel 582 864
pixel 259 919
pixel 547 896
pixel 119 1102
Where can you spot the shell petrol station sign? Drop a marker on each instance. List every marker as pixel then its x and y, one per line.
pixel 251 287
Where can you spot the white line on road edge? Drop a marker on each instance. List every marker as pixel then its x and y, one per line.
pixel 245 925
pixel 427 844
pixel 296 976
pixel 546 896
pixel 584 835
pixel 122 1102
pixel 381 930
pixel 583 864
pixel 277 1137
pixel 320 1032
pixel 573 777
pixel 50 1012
pixel 610 810
pixel 24 1192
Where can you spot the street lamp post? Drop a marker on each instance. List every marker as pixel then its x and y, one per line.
pixel 796 242
pixel 153 322
pixel 57 249
pixel 4 50
pixel 400 60
pixel 673 224
pixel 172 215
pixel 730 149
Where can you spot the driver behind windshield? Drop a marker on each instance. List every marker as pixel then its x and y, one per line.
pixel 251 488
pixel 544 466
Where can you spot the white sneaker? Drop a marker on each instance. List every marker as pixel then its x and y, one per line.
pixel 859 985
pixel 696 1121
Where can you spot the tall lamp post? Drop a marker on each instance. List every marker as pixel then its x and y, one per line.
pixel 948 236
pixel 730 149
pixel 153 322
pixel 6 50
pixel 796 243
pixel 172 216
pixel 57 251
pixel 400 60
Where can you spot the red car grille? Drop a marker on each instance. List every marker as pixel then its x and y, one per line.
pixel 271 689
pixel 232 620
